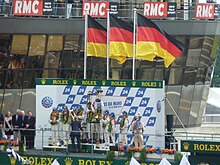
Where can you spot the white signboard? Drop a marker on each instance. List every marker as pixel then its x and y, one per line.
pixel 147 99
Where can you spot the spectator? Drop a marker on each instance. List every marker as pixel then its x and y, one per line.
pixel 8 125
pixel 1 125
pixel 23 126
pixel 1 120
pixel 69 8
pixel 16 124
pixel 30 133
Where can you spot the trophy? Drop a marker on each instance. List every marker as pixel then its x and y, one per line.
pixel 66 142
pixel 58 142
pixel 50 141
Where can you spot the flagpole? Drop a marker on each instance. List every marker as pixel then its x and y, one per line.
pixel 85 42
pixel 108 42
pixel 134 45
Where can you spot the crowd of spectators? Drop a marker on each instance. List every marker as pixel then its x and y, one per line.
pixel 18 127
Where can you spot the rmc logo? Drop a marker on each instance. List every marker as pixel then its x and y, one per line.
pixel 205 11
pixel 95 9
pixel 155 9
pixel 28 7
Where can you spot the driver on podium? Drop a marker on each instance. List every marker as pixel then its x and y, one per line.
pixel 124 127
pixel 90 111
pixel 65 119
pixel 104 127
pixel 99 108
pixel 111 128
pixel 54 121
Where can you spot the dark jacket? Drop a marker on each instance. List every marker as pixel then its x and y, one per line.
pixel 76 127
pixel 31 124
pixel 31 121
pixel 17 122
pixel 1 118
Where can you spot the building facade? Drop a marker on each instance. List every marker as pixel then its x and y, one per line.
pixel 52 46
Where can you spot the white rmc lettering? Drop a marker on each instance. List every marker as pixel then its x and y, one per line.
pixel 101 11
pixel 95 9
pixel 86 8
pixel 34 7
pixel 153 9
pixel 204 11
pixel 18 6
pixel 27 6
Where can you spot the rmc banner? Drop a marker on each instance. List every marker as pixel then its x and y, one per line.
pixel 144 98
pixel 32 7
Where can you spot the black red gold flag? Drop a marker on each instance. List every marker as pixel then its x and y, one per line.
pixel 121 39
pixel 97 39
pixel 152 41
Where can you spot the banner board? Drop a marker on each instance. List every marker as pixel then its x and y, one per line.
pixel 28 7
pixel 205 11
pixel 135 97
pixel 99 9
pixel 159 9
pixel 200 146
pixel 63 159
pixel 32 7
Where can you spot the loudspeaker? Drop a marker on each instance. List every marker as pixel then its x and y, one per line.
pixel 169 122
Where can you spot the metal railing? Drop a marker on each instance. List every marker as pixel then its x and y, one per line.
pixel 185 11
pixel 45 141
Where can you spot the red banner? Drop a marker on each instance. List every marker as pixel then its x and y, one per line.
pixel 205 11
pixel 95 9
pixel 155 9
pixel 28 7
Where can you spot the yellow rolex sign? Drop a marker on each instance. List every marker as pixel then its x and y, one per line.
pixel 200 146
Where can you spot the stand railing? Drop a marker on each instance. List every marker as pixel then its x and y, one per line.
pixel 185 11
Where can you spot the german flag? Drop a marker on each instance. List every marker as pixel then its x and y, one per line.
pixel 121 39
pixel 152 41
pixel 97 39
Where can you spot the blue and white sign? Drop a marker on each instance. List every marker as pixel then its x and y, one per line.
pixel 133 100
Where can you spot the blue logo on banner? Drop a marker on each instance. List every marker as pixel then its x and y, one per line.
pixel 81 90
pixel 132 111
pixel 67 90
pixel 125 91
pixel 47 102
pixel 60 107
pixel 110 91
pixel 129 101
pixel 119 119
pixel 145 139
pixel 75 106
pixel 84 99
pixel 148 111
pixel 130 138
pixel 95 89
pixel 144 102
pixel 151 121
pixel 70 99
pixel 140 92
